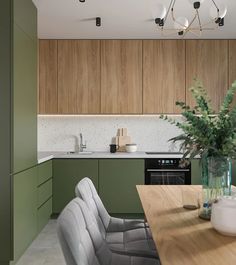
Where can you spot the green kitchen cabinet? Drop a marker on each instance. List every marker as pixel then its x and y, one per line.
pixel 117 184
pixel 44 214
pixel 66 174
pixel 44 193
pixel 25 210
pixel 25 16
pixel 196 172
pixel 24 88
pixel 44 172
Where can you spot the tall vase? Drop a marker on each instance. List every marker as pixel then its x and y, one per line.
pixel 216 182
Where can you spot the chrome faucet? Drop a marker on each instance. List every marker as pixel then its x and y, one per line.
pixel 81 145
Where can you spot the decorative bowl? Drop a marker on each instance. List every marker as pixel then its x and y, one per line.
pixel 223 216
pixel 131 148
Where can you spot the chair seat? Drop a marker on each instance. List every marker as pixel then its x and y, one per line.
pixel 133 260
pixel 121 225
pixel 136 242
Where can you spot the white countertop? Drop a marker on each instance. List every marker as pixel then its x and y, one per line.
pixel 45 156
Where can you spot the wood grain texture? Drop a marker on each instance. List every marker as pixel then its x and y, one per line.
pixel 232 64
pixel 79 76
pixel 121 76
pixel 47 77
pixel 207 60
pixel 163 75
pixel 180 236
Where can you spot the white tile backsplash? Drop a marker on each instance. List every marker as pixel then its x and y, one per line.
pixel 61 133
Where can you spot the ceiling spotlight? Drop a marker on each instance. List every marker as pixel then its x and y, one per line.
pixel 98 21
pixel 82 1
pixel 159 21
pixel 196 4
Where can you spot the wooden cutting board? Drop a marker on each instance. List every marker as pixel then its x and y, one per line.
pixel 122 139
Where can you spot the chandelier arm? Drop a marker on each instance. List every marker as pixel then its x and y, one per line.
pixel 188 28
pixel 169 34
pixel 169 8
pixel 213 1
pixel 210 22
pixel 199 20
pixel 194 33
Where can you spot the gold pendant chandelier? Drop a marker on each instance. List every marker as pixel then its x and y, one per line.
pixel 181 25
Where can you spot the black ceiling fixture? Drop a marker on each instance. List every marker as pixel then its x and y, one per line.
pixel 98 21
pixel 82 1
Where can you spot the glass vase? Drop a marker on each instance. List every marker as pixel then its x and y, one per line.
pixel 216 182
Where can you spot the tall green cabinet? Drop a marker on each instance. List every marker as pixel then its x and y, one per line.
pixel 5 132
pixel 18 134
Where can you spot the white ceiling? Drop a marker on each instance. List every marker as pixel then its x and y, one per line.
pixel 121 19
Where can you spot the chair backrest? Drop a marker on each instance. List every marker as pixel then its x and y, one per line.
pixel 81 241
pixel 88 193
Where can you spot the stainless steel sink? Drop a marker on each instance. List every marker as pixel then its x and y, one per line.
pixel 80 153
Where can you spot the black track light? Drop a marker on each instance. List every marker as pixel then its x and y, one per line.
pixel 222 22
pixel 98 21
pixel 181 33
pixel 159 21
pixel 196 5
pixel 82 1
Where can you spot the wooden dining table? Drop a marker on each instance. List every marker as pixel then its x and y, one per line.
pixel 180 236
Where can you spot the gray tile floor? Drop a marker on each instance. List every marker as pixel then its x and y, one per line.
pixel 45 249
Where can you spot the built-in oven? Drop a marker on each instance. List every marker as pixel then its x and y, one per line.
pixel 166 171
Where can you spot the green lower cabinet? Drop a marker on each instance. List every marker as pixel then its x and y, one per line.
pixel 44 192
pixel 44 214
pixel 25 210
pixel 44 172
pixel 196 172
pixel 66 174
pixel 117 184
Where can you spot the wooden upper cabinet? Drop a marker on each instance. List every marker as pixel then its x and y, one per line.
pixel 47 77
pixel 163 75
pixel 232 64
pixel 207 60
pixel 79 76
pixel 232 61
pixel 121 76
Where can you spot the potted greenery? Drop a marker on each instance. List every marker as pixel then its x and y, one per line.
pixel 212 137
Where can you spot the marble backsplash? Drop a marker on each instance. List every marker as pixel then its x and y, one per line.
pixel 61 133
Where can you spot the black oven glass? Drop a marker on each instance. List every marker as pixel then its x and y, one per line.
pixel 167 178
pixel 166 171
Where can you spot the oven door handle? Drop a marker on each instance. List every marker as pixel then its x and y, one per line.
pixel 168 170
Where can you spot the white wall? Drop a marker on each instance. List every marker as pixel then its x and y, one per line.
pixel 60 133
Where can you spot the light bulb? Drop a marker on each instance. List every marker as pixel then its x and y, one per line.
pixel 181 23
pixel 159 11
pixel 222 11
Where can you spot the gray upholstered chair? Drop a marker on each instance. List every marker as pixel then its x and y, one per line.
pixel 123 235
pixel 82 241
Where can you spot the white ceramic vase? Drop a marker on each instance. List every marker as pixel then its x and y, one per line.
pixel 223 216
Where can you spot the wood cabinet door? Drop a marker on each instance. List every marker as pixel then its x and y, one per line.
pixel 232 64
pixel 121 76
pixel 79 76
pixel 163 75
pixel 47 77
pixel 207 60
